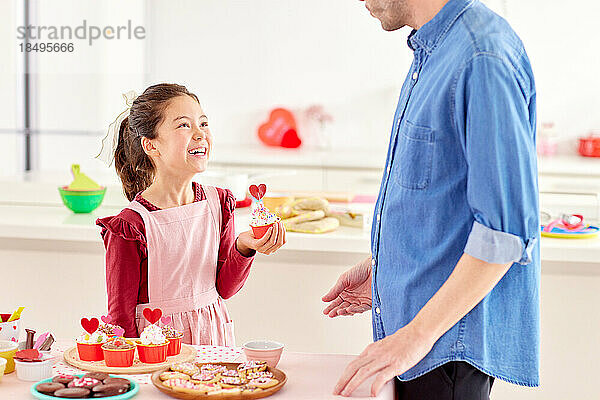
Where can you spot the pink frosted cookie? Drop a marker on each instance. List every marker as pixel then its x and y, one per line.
pixel 260 374
pixel 232 381
pixel 263 383
pixel 178 382
pixel 231 373
pixel 252 366
pixel 87 383
pixel 213 368
pixel 205 377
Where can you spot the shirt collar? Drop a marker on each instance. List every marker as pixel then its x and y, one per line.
pixel 433 31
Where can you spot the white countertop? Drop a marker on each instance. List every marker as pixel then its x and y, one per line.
pixel 56 223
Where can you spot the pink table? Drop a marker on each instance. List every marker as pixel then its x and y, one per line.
pixel 310 377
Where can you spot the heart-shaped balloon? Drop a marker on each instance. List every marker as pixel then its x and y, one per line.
pixel 281 125
pixel 119 332
pixel 166 319
pixel 152 316
pixel 90 325
pixel 258 191
pixel 106 319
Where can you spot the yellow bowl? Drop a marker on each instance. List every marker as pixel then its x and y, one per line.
pixel 7 351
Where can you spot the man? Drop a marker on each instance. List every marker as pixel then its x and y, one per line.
pixel 453 279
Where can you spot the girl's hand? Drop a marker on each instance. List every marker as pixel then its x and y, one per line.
pixel 269 243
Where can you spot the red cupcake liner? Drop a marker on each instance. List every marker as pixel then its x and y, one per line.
pixel 153 354
pixel 119 357
pixel 259 231
pixel 90 352
pixel 174 346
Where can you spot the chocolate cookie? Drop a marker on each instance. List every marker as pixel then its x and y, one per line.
pixel 122 381
pixel 101 376
pixel 72 393
pixel 87 383
pixel 49 387
pixel 112 389
pixel 63 378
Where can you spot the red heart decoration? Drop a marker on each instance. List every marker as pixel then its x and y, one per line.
pixel 290 139
pixel 28 354
pixel 152 316
pixel 273 132
pixel 90 325
pixel 259 191
pixel 106 319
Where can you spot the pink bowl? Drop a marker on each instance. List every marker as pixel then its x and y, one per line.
pixel 263 350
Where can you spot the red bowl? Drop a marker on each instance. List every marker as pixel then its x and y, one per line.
pixel 153 354
pixel 90 352
pixel 119 357
pixel 174 346
pixel 259 231
pixel 589 146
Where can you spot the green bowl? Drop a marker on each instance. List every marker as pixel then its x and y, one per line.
pixel 81 201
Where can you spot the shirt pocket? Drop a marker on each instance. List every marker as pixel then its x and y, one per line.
pixel 412 166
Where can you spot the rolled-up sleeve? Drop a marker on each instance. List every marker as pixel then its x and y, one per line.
pixel 495 116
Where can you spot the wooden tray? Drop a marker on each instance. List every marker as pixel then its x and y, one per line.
pixel 188 353
pixel 277 374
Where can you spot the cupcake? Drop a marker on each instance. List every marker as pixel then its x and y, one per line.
pixel 118 352
pixel 261 219
pixel 152 345
pixel 89 346
pixel 110 330
pixel 174 337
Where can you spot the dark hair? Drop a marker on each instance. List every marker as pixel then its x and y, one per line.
pixel 134 167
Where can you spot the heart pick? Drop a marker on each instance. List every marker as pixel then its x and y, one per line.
pixel 119 332
pixel 90 325
pixel 258 191
pixel 152 316
pixel 166 319
pixel 106 319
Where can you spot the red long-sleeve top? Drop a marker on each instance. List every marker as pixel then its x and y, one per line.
pixel 124 238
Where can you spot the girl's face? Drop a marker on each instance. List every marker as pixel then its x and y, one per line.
pixel 184 141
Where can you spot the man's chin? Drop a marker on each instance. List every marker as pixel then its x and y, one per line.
pixel 391 28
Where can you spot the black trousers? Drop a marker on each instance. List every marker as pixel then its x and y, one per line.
pixel 455 380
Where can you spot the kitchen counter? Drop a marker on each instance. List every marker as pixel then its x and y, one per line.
pixel 57 224
pixel 310 377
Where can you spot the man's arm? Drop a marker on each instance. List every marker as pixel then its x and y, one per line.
pixel 470 281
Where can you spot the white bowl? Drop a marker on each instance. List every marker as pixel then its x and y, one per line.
pixel 34 371
pixel 264 350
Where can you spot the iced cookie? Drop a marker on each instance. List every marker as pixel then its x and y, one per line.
pixel 261 374
pixel 173 375
pixel 214 368
pixel 263 383
pixel 87 383
pixel 232 381
pixel 252 366
pixel 205 377
pixel 186 368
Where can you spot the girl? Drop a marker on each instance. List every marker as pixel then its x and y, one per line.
pixel 174 246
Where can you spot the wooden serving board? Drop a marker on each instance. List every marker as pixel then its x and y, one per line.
pixel 277 374
pixel 188 353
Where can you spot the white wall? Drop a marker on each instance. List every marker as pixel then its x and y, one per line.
pixel 243 58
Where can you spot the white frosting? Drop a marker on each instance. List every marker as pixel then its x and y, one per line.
pixel 94 338
pixel 152 334
pixel 261 215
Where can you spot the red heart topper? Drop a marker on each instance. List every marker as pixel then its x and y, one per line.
pixel 280 130
pixel 90 325
pixel 152 316
pixel 259 191
pixel 28 355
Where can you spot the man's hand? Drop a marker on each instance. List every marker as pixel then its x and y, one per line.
pixel 352 292
pixel 386 358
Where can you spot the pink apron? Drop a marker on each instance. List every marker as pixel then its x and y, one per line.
pixel 183 246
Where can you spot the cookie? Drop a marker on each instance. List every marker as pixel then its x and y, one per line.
pixel 186 368
pixel 214 368
pixel 87 383
pixel 178 382
pixel 232 373
pixel 261 374
pixel 109 390
pixel 231 391
pixel 263 383
pixel 232 381
pixel 252 366
pixel 101 376
pixel 49 387
pixel 205 377
pixel 72 393
pixel 122 381
pixel 250 389
pixel 173 375
pixel 63 378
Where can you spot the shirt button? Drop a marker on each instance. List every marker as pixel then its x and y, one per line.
pixel 372 263
pixel 415 76
pixel 388 169
pixel 378 217
pixel 377 310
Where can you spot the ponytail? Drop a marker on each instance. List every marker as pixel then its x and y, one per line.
pixel 134 167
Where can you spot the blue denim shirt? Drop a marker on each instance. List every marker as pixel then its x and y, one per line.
pixel 461 177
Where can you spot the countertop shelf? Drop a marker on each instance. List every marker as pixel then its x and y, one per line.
pixel 56 223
